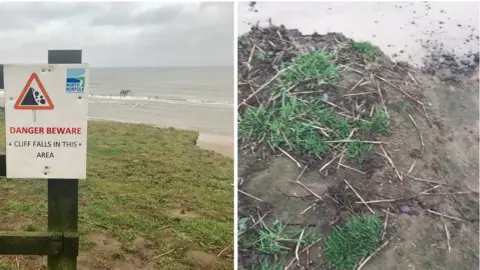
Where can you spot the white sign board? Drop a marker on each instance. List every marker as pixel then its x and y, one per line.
pixel 46 120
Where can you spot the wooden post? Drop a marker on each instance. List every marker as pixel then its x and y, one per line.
pixel 63 193
pixel 1 76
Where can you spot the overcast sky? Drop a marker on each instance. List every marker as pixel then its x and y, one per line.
pixel 119 34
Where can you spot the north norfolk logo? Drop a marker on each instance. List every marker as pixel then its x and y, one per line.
pixel 75 80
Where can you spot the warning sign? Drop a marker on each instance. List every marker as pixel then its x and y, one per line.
pixel 46 126
pixel 34 96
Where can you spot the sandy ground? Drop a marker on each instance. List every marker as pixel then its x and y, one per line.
pixel 398 28
pixel 222 144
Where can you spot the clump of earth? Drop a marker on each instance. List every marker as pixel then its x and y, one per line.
pixel 421 177
pixel 448 64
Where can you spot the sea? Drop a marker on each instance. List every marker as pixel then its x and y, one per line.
pixel 191 98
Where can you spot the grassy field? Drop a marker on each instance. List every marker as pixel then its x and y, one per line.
pixel 152 197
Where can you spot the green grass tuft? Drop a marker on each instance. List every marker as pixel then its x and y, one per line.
pixel 270 241
pixel 356 151
pixel 365 47
pixel 316 67
pixel 357 239
pixel 379 125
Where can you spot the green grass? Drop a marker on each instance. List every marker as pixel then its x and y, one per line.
pixel 365 47
pixel 296 126
pixel 139 177
pixel 316 67
pixel 356 150
pixel 271 241
pixel 356 240
pixel 306 124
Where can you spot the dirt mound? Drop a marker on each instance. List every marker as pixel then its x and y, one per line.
pixel 331 130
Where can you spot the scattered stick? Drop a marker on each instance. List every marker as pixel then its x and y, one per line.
pixel 347 141
pixel 353 169
pixel 290 157
pixel 399 89
pixel 391 163
pixel 450 193
pixel 443 215
pixel 358 195
pixel 358 94
pixel 303 250
pixel 298 245
pixel 381 98
pixel 308 208
pixel 411 77
pixel 308 189
pixel 385 226
pixel 426 181
pixel 340 161
pixel 297 181
pixel 163 254
pixel 426 116
pixel 301 173
pixel 263 86
pixel 328 163
pixel 411 167
pixel 251 196
pixel 251 56
pixel 336 106
pixel 448 237
pixel 375 252
pixel 223 250
pixel 403 198
pixel 356 85
pixel 419 133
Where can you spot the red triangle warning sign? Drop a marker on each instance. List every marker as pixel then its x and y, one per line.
pixel 34 96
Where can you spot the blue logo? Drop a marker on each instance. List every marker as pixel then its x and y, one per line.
pixel 75 80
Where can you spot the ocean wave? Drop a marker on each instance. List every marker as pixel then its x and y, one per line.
pixel 106 97
pixel 161 100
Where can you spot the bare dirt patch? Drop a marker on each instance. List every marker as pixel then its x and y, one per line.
pixel 197 257
pixel 182 213
pixel 429 187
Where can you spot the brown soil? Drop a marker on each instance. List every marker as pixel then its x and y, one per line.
pixel 450 157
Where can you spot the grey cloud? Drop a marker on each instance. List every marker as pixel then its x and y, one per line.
pixel 123 16
pixel 22 15
pixel 119 34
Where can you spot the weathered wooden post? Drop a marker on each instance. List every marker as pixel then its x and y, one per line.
pixel 63 193
pixel 51 146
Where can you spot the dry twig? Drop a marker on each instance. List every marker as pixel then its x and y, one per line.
pixel 163 254
pixel 419 133
pixel 263 86
pixel 358 195
pixel 426 181
pixel 443 215
pixel 375 252
pixel 391 163
pixel 290 157
pixel 249 195
pixel 448 237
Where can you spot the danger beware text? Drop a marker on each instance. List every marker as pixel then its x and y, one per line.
pixel 45 130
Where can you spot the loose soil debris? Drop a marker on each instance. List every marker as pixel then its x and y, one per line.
pixel 330 130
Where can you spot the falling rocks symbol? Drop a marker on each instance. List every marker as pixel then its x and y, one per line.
pixel 33 98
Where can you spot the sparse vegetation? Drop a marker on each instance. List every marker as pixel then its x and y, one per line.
pixel 364 47
pixel 305 112
pixel 271 241
pixel 308 116
pixel 140 181
pixel 306 124
pixel 355 240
